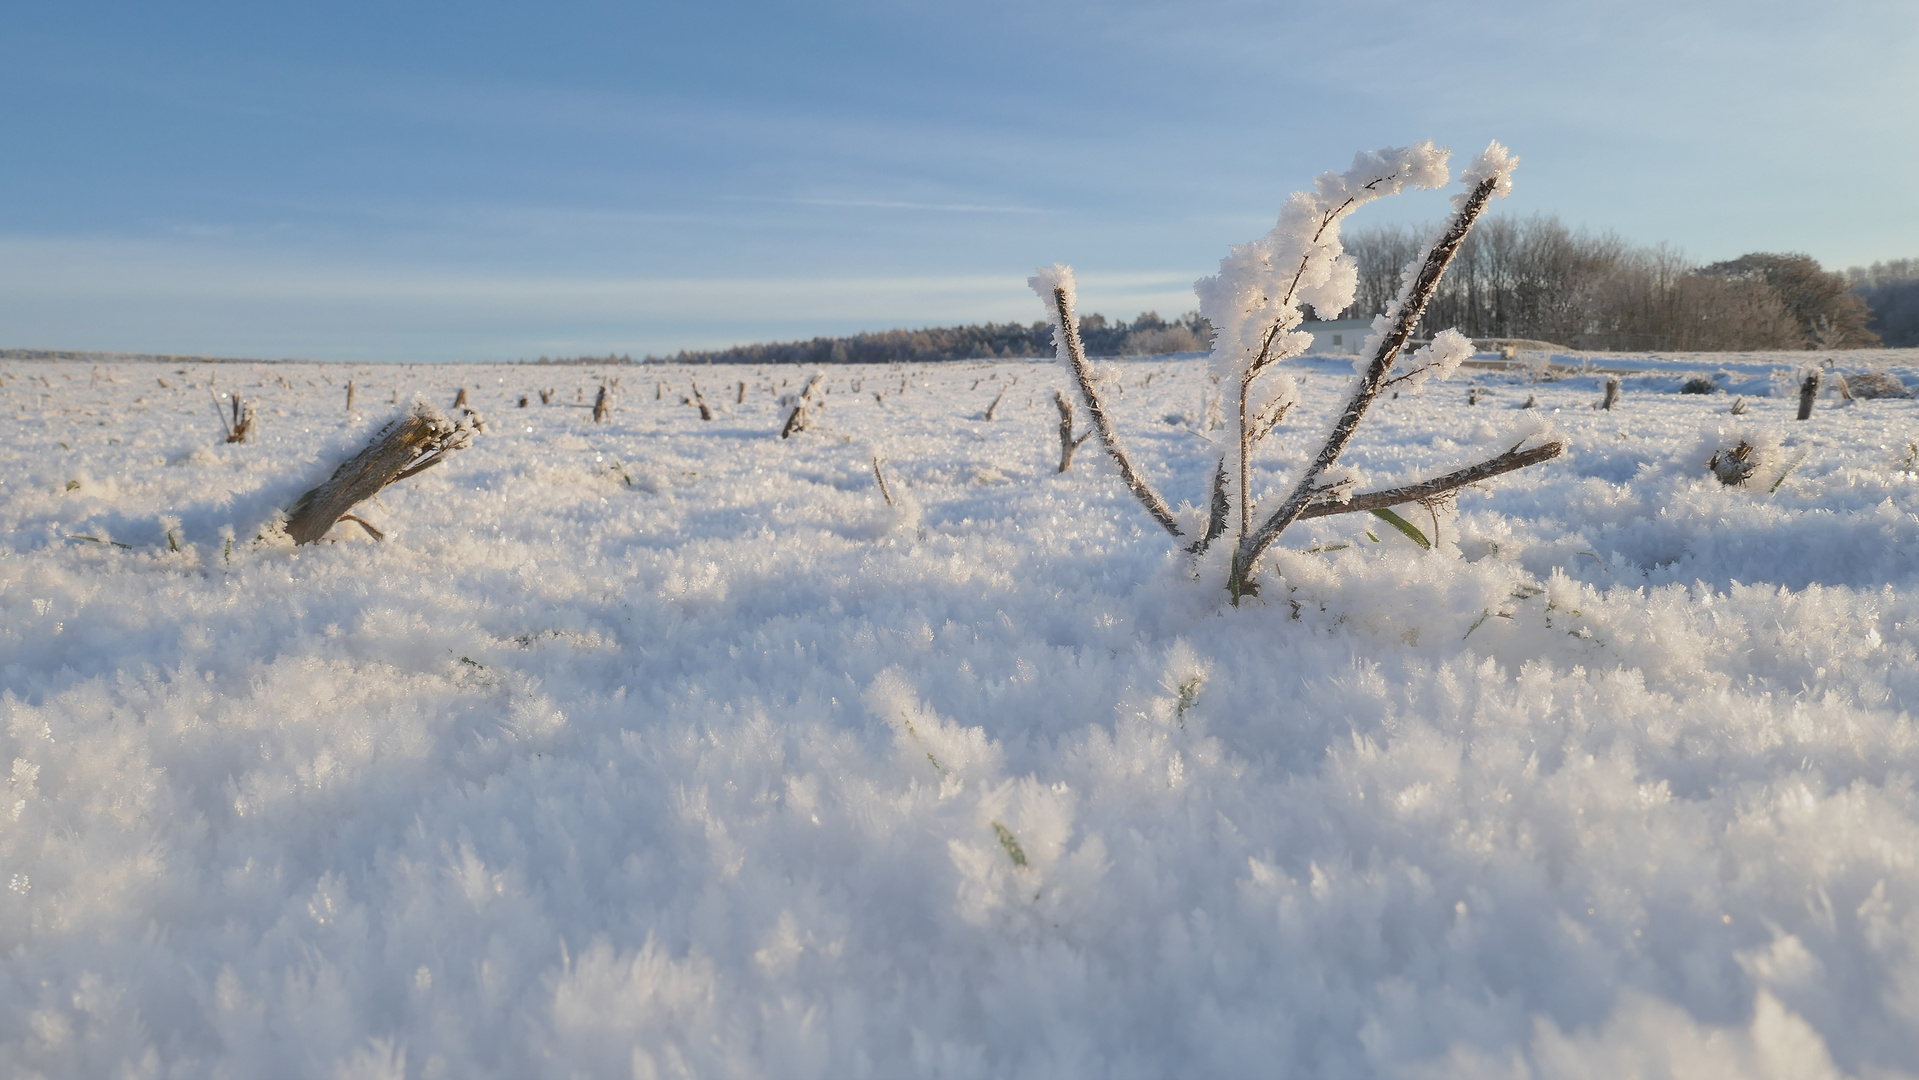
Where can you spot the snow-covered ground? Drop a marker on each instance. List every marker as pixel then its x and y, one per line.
pixel 663 747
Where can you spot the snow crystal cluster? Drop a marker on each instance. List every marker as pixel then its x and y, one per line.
pixel 1253 302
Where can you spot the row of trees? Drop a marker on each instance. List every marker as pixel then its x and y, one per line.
pixel 1525 278
pixel 1891 290
pixel 1148 335
pixel 1535 278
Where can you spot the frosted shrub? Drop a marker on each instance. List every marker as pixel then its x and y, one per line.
pixel 1254 305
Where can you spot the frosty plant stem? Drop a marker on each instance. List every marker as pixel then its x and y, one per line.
pixel 407 446
pixel 1066 329
pixel 1254 305
pixel 1068 443
pixel 1411 305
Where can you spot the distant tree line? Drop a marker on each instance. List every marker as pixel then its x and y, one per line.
pixel 1514 278
pixel 1891 290
pixel 1535 278
pixel 1147 335
pixel 609 358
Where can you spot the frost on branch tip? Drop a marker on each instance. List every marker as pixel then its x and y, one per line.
pixel 1253 303
pixel 1437 360
pixel 1048 282
pixel 1495 161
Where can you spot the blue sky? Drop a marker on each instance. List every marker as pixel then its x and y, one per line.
pixel 483 181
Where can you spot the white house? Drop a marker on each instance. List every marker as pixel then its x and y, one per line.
pixel 1337 335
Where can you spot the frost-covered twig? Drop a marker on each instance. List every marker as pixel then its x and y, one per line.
pixel 1255 305
pixel 1055 285
pixel 1067 442
pixel 1437 486
pixel 1390 332
pixel 406 446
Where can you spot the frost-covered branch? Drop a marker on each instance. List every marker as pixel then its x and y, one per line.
pixel 1055 286
pixel 1255 305
pixel 1511 460
pixel 1490 175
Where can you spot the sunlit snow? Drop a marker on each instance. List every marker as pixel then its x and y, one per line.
pixel 662 747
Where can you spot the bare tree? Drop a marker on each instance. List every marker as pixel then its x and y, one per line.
pixel 1821 303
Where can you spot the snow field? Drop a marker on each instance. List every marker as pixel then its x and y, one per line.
pixel 661 747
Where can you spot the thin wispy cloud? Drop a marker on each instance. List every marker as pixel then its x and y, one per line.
pixel 887 204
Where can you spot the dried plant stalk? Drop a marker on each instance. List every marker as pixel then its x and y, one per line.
pixel 1067 443
pixel 1136 481
pixel 406 446
pixel 240 424
pixel 1317 491
pixel 799 404
pixel 1252 544
pixel 880 477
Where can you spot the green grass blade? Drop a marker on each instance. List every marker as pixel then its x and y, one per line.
pixel 1410 530
pixel 1006 840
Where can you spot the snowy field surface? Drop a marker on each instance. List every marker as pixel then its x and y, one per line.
pixel 663 747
